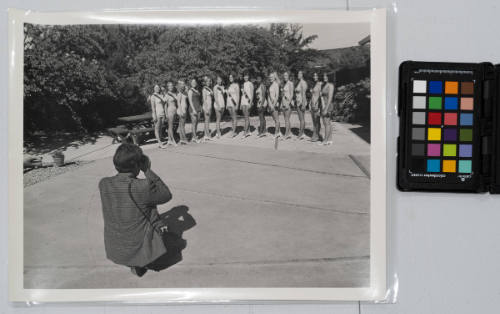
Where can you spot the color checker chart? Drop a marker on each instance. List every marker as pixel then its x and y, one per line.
pixel 449 127
pixel 442 119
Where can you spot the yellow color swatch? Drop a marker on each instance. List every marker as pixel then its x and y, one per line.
pixel 434 134
pixel 449 166
pixel 450 87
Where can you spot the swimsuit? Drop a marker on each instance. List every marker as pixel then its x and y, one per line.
pixel 260 95
pixel 219 103
pixel 272 97
pixel 171 104
pixel 157 102
pixel 233 96
pixel 286 100
pixel 326 106
pixel 182 104
pixel 315 99
pixel 207 99
pixel 300 100
pixel 247 94
pixel 196 99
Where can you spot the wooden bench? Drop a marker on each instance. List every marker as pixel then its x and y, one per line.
pixel 137 128
pixel 119 133
pixel 139 135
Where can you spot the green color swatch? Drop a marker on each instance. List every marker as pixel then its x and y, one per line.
pixel 435 103
pixel 465 135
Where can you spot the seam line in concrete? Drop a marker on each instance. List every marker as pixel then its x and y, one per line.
pixel 277 262
pixel 272 202
pixel 271 165
pixel 360 166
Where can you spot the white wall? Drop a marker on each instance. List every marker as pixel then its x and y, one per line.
pixel 444 247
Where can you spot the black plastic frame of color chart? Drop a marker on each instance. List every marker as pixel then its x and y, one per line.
pixel 451 181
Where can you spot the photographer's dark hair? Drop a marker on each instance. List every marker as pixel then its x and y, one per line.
pixel 127 157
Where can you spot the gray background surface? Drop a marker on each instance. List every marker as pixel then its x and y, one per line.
pixel 444 248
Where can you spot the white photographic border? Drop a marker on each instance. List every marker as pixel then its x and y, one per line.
pixel 377 288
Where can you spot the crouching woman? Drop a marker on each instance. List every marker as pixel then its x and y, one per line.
pixel 132 225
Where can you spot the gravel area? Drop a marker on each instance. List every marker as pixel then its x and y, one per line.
pixel 40 174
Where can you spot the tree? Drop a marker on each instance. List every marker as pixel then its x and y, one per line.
pixel 81 77
pixel 62 74
pixel 294 46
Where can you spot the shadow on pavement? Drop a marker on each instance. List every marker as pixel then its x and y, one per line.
pixel 178 220
pixel 363 131
pixel 40 143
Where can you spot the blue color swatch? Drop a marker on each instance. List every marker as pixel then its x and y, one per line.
pixel 466 119
pixel 433 165
pixel 450 103
pixel 435 87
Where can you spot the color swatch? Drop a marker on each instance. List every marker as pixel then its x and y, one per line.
pixel 442 119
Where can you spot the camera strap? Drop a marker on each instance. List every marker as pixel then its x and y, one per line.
pixel 148 218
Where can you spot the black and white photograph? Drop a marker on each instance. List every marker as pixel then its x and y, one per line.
pixel 199 154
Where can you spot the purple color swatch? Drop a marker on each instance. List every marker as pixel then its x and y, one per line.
pixel 433 149
pixel 465 150
pixel 450 134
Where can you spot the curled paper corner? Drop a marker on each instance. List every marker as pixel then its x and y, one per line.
pixel 391 295
pixel 394 7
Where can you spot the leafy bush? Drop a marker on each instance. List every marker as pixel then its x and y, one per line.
pixel 82 77
pixel 352 102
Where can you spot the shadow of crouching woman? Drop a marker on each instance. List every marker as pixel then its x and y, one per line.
pixel 177 220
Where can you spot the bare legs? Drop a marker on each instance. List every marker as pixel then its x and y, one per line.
pixel 328 130
pixel 182 129
pixel 302 122
pixel 276 117
pixel 207 124
pixel 232 112
pixel 246 114
pixel 287 113
pixel 262 120
pixel 194 127
pixel 316 125
pixel 171 140
pixel 158 129
pixel 218 116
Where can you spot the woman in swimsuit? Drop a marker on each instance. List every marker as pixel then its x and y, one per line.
pixel 171 100
pixel 315 107
pixel 301 102
pixel 246 102
pixel 158 112
pixel 286 103
pixel 273 102
pixel 208 95
pixel 233 101
pixel 194 99
pixel 182 109
pixel 327 108
pixel 260 96
pixel 219 103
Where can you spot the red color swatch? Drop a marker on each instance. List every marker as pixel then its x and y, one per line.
pixel 434 118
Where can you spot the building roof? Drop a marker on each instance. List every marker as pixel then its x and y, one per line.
pixel 364 41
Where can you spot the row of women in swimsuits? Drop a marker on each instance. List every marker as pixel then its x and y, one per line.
pixel 276 98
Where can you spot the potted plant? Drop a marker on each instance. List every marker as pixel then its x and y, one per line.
pixel 58 157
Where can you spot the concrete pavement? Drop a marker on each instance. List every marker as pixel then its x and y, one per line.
pixel 263 218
